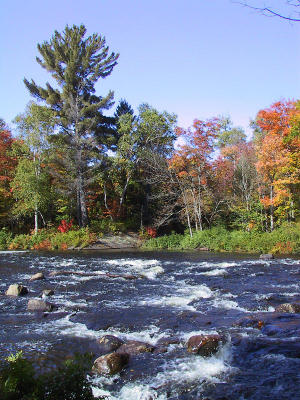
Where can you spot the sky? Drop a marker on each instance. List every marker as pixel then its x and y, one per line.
pixel 194 58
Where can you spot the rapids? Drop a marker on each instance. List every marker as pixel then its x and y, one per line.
pixel 173 295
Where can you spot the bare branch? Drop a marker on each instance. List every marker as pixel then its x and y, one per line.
pixel 271 13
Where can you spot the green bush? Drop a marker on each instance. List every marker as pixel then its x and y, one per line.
pixel 5 238
pixel 108 226
pixel 51 240
pixel 284 240
pixel 18 380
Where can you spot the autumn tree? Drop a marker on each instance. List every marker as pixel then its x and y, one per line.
pixel 7 167
pixel 76 63
pixel 192 164
pixel 278 154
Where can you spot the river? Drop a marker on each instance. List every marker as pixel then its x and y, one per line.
pixel 174 295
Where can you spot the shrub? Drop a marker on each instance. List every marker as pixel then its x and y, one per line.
pixel 5 238
pixel 283 240
pixel 18 380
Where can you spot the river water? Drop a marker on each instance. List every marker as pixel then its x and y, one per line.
pixel 174 295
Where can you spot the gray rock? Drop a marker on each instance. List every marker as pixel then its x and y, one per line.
pixel 134 347
pixel 37 276
pixel 39 305
pixel 288 308
pixel 110 343
pixel 16 290
pixel 110 364
pixel 204 345
pixel 266 256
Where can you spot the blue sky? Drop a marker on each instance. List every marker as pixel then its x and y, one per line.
pixel 196 58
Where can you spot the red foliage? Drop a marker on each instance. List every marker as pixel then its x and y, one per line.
pixel 65 226
pixel 151 231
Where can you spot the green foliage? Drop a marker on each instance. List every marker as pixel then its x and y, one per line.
pixel 284 240
pixel 172 242
pixel 18 380
pixel 47 239
pixel 107 226
pixel 5 238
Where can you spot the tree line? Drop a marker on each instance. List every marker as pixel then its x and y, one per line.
pixel 71 161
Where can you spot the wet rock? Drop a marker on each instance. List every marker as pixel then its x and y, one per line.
pixel 16 290
pixel 39 305
pixel 37 276
pixel 166 341
pixel 266 256
pixel 110 343
pixel 288 308
pixel 47 293
pixel 110 364
pixel 250 321
pixel 134 347
pixel 160 350
pixel 204 345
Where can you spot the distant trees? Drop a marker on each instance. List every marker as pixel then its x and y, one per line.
pixel 76 63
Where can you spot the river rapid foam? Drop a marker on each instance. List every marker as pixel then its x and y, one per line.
pixel 151 296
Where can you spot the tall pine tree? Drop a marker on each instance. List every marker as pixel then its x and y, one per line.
pixel 76 63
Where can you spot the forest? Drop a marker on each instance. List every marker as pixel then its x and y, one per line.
pixel 75 170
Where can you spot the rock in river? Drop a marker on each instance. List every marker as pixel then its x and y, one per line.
pixel 47 293
pixel 37 276
pixel 266 256
pixel 288 308
pixel 204 345
pixel 110 364
pixel 134 347
pixel 110 343
pixel 16 290
pixel 39 305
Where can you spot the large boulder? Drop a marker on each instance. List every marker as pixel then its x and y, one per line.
pixel 204 345
pixel 37 276
pixel 110 343
pixel 16 290
pixel 134 347
pixel 110 364
pixel 266 256
pixel 288 308
pixel 39 305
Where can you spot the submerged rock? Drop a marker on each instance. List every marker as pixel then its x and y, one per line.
pixel 253 321
pixel 39 305
pixel 266 256
pixel 110 343
pixel 16 290
pixel 204 345
pixel 47 293
pixel 288 308
pixel 134 347
pixel 37 276
pixel 110 364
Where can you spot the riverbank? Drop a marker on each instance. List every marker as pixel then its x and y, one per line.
pixel 284 240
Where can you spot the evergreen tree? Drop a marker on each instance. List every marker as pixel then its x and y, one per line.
pixel 123 108
pixel 76 63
